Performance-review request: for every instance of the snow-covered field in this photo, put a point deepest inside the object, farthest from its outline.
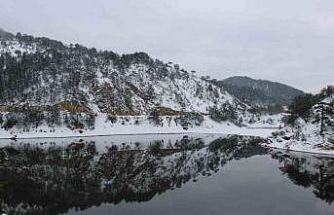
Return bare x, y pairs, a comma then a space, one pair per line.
138, 125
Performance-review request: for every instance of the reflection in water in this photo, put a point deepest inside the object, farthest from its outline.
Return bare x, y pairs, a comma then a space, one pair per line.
49, 178
309, 171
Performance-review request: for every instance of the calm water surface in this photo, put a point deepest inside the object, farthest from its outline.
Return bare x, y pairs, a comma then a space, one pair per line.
162, 174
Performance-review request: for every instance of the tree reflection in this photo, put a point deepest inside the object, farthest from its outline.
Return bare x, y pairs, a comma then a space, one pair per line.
309, 170
39, 179
50, 179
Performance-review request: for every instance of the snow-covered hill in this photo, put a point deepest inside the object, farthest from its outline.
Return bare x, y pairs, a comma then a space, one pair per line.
52, 72
313, 130
46, 85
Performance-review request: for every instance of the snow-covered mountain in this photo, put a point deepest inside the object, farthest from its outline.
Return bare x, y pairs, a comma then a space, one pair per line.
44, 82
40, 71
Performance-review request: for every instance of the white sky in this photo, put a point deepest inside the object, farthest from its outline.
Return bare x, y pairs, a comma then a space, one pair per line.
290, 41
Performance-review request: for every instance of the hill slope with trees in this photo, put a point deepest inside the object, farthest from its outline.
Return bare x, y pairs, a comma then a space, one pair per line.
45, 84
309, 124
259, 93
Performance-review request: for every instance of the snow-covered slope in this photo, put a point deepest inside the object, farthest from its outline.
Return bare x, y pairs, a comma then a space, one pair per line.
314, 133
46, 87
135, 125
52, 72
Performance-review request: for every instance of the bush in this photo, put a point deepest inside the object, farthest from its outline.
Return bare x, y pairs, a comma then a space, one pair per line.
154, 116
90, 121
10, 123
189, 119
53, 118
223, 114
78, 121
112, 118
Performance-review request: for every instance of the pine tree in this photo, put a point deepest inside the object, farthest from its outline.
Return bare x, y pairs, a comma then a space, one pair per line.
326, 113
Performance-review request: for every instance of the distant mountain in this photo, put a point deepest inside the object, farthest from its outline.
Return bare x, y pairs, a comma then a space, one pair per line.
259, 92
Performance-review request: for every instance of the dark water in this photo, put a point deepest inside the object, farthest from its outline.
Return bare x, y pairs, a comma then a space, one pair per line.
162, 175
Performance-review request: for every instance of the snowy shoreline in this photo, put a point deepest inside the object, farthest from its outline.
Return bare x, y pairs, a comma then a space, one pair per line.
304, 137
128, 127
225, 130
136, 126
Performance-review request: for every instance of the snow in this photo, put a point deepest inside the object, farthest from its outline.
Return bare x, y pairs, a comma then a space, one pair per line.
126, 125
173, 92
304, 136
310, 141
264, 121
14, 46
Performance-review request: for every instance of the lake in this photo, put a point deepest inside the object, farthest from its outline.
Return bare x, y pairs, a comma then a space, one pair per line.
162, 174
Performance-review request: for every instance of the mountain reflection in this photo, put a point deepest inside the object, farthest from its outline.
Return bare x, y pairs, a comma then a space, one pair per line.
52, 178
310, 171
48, 179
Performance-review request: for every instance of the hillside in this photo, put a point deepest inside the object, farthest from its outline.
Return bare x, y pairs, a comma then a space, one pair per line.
309, 124
40, 71
259, 92
45, 84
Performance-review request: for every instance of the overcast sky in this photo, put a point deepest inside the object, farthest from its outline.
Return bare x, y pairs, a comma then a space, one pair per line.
291, 41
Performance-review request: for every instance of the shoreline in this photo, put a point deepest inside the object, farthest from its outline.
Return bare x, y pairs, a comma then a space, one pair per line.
240, 133
14, 137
